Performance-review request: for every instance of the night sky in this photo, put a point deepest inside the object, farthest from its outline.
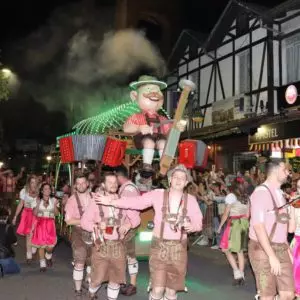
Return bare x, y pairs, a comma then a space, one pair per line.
41, 71
19, 18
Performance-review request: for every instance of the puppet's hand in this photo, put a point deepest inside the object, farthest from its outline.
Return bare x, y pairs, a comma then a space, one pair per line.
145, 129
181, 125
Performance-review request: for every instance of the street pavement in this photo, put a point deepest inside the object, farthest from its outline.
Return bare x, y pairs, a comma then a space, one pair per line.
209, 278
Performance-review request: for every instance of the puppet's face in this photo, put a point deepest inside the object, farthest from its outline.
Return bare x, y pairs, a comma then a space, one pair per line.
149, 97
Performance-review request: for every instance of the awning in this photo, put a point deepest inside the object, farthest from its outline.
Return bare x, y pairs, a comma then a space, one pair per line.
276, 145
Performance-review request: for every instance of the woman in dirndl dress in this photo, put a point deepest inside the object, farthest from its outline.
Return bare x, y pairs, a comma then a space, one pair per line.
44, 232
235, 235
28, 197
294, 227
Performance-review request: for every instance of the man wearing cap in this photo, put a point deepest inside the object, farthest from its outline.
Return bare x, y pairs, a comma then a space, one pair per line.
147, 91
176, 214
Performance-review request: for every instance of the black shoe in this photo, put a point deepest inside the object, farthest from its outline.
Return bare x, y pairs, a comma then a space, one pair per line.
147, 171
1, 270
92, 296
78, 295
43, 269
129, 290
49, 263
241, 281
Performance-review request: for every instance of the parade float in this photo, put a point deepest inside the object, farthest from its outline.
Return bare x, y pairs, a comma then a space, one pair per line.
110, 139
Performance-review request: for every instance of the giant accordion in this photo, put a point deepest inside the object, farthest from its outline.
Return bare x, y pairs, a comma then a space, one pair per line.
193, 154
81, 147
76, 147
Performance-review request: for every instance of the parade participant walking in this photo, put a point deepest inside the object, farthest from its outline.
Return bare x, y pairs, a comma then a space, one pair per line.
235, 236
9, 184
44, 232
75, 207
109, 226
129, 189
268, 247
176, 214
295, 228
28, 197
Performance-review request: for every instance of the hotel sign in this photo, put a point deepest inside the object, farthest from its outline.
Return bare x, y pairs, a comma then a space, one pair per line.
267, 133
274, 132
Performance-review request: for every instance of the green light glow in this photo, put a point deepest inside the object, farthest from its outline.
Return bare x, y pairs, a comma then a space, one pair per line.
112, 119
145, 236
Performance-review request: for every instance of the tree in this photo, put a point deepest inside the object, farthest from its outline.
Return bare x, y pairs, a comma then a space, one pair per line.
4, 90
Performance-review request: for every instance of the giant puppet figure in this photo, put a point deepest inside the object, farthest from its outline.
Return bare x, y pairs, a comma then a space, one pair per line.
150, 128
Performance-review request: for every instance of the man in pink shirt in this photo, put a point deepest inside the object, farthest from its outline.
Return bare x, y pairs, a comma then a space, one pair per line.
268, 246
109, 227
129, 189
176, 214
74, 209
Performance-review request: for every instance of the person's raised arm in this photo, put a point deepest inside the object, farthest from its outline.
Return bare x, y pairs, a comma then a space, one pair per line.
136, 203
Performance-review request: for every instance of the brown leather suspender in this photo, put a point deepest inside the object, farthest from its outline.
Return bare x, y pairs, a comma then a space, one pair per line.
164, 212
79, 205
277, 219
154, 120
80, 208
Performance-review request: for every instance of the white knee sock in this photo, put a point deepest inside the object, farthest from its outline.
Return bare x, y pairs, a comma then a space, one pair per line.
48, 256
77, 274
148, 155
33, 250
237, 274
43, 263
113, 292
94, 290
29, 255
133, 267
88, 274
77, 277
152, 298
170, 298
160, 152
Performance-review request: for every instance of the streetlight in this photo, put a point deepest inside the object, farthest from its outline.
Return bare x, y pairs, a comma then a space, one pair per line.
7, 72
1, 164
48, 158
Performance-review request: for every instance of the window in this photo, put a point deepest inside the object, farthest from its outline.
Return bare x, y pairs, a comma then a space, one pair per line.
244, 72
173, 97
293, 58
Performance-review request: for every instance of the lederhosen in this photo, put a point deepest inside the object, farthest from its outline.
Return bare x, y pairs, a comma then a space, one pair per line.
138, 139
129, 239
108, 257
168, 258
266, 284
81, 250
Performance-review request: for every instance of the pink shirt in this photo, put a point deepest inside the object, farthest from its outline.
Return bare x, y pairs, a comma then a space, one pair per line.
262, 212
71, 208
129, 189
155, 199
92, 216
140, 119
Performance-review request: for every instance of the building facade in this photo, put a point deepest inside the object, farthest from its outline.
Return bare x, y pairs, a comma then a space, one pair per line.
240, 69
